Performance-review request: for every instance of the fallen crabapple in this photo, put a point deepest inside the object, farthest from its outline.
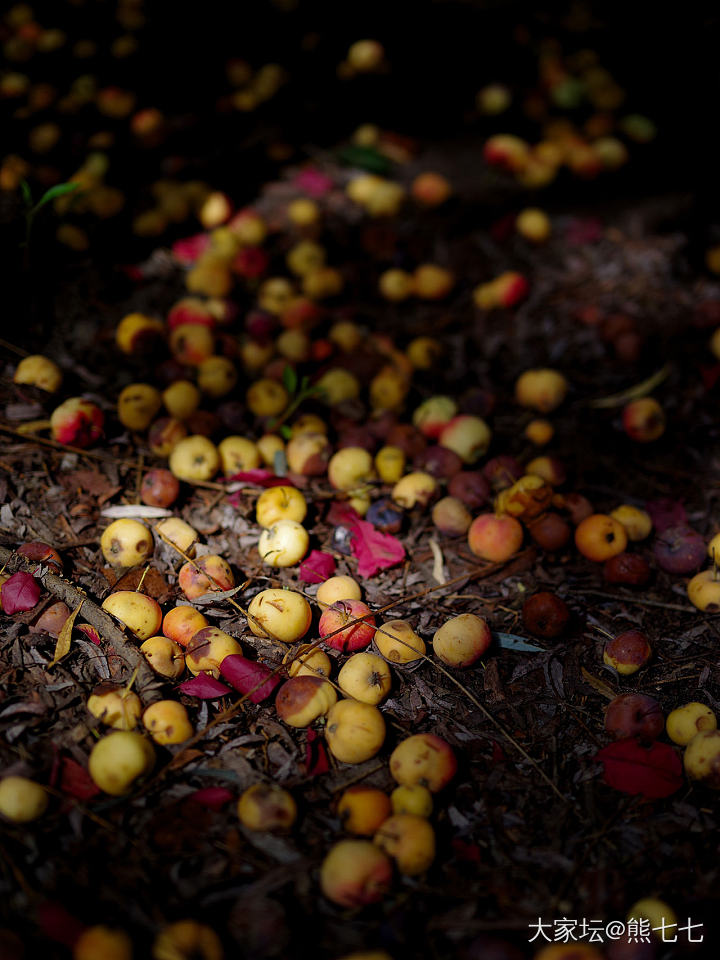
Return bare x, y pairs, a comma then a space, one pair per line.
526, 499
139, 613
206, 575
425, 759
238, 454
545, 615
283, 544
167, 722
308, 662
541, 389
340, 587
178, 532
216, 376
413, 799
362, 809
181, 623
22, 800
355, 873
51, 620
191, 344
470, 487
627, 652
165, 434
302, 699
266, 398
533, 224
279, 614
350, 468
137, 405
118, 760
338, 386
576, 505
77, 422
390, 465
159, 488
250, 229
599, 537
388, 389
408, 438
207, 650
415, 489
39, 552
115, 706
451, 517
254, 355
280, 503
634, 715
341, 617
684, 722
502, 471
539, 432
643, 420
308, 423
702, 758
660, 916
495, 538
39, 371
466, 435
409, 840
462, 640
440, 462
303, 212
632, 569
136, 333
165, 656
433, 415
505, 150
550, 531
354, 731
294, 345
397, 642
267, 807
550, 469
181, 398
430, 189
269, 445
396, 285
308, 454
424, 352
190, 310
186, 939
679, 550
365, 677
637, 522
102, 942
194, 459
703, 591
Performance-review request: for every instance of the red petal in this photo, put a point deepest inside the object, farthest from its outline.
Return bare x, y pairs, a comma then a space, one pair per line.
75, 781
259, 478
189, 249
205, 687
374, 550
90, 632
317, 567
20, 592
316, 758
652, 770
213, 797
247, 675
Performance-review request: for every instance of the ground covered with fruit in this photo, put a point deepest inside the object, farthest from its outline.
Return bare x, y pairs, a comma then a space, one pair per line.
357, 537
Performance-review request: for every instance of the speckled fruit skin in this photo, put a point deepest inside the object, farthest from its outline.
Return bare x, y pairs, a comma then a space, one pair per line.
627, 652
357, 636
423, 758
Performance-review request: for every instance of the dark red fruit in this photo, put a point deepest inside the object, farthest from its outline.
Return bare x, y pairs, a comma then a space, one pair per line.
550, 531
628, 568
545, 615
680, 550
634, 715
471, 487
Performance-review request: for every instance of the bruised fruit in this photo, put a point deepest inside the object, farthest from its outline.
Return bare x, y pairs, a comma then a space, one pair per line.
679, 550
643, 420
308, 454
470, 487
136, 333
140, 614
302, 699
425, 759
702, 758
545, 615
433, 415
207, 650
267, 807
599, 537
630, 569
495, 538
338, 628
181, 623
550, 531
397, 642
627, 652
118, 760
22, 800
137, 405
451, 517
116, 707
77, 422
414, 490
440, 462
467, 436
126, 542
180, 533
684, 722
365, 677
238, 454
283, 544
207, 575
355, 873
159, 488
279, 614
462, 640
165, 434
165, 656
634, 715
362, 809
354, 731
167, 722
409, 840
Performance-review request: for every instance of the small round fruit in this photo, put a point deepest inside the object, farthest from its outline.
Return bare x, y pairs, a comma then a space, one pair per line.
102, 943
541, 389
462, 640
550, 531
283, 544
167, 722
207, 650
704, 591
466, 435
684, 722
126, 542
209, 574
339, 629
182, 623
164, 435
137, 406
355, 873
643, 420
280, 503
425, 759
22, 800
702, 758
363, 809
397, 642
77, 422
390, 464
539, 432
470, 487
679, 550
599, 537
266, 398
187, 939
409, 840
116, 707
179, 533
216, 376
495, 538
349, 468
159, 488
279, 614
545, 615
39, 371
194, 459
415, 489
238, 454
308, 662
627, 652
302, 699
634, 715
661, 917
340, 587
181, 399
140, 614
354, 731
414, 799
118, 760
630, 569
451, 517
267, 807
164, 656
365, 677
637, 522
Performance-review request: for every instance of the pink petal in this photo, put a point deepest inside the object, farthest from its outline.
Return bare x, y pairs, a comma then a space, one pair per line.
205, 687
259, 478
313, 181
20, 592
247, 675
189, 249
213, 797
374, 550
653, 770
317, 567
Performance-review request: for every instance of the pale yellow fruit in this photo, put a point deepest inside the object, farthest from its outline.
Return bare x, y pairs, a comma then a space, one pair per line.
126, 543
167, 722
137, 405
365, 677
118, 760
279, 614
340, 587
21, 799
117, 707
194, 459
354, 731
397, 642
280, 503
283, 544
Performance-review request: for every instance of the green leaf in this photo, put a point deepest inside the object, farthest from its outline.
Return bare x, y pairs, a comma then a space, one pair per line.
509, 641
59, 190
304, 383
26, 192
289, 379
286, 432
367, 158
